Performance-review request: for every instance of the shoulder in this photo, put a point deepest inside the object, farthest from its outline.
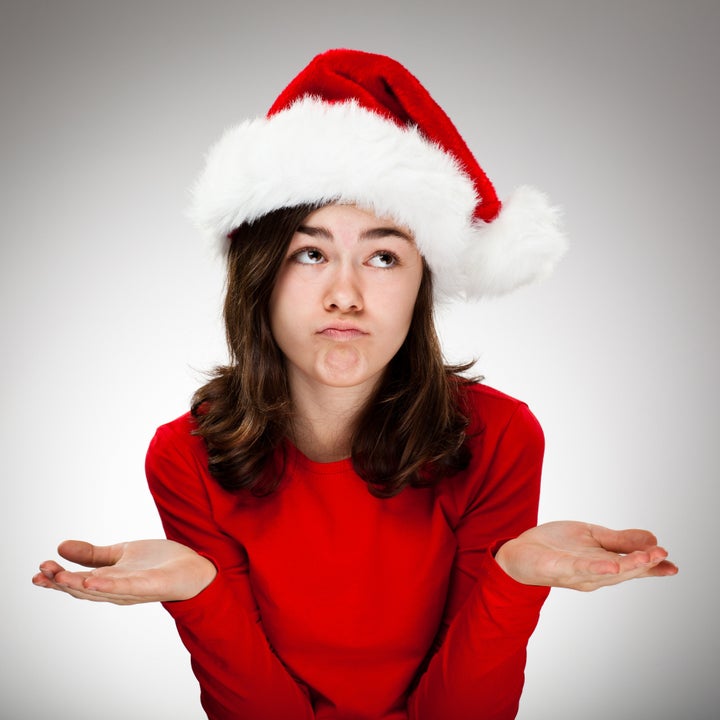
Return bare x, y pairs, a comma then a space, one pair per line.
506, 445
177, 439
180, 426
492, 413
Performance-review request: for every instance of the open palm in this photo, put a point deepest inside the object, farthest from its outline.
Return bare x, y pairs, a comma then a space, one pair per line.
582, 556
128, 573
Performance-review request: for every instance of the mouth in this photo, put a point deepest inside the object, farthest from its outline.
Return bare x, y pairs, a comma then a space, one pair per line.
336, 332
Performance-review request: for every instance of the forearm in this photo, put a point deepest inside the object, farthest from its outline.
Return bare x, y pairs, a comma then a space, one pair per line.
478, 671
239, 675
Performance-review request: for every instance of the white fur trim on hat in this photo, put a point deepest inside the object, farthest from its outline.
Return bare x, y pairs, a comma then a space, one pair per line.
521, 245
319, 152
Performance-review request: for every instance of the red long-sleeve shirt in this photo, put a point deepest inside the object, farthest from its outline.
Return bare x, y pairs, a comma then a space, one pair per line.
330, 603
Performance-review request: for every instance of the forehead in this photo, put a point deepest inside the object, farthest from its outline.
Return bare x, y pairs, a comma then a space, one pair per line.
345, 215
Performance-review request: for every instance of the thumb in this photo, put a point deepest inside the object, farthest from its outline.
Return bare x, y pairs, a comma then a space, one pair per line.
623, 541
89, 555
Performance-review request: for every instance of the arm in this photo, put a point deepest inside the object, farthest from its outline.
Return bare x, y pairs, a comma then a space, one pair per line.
218, 621
478, 669
239, 674
502, 574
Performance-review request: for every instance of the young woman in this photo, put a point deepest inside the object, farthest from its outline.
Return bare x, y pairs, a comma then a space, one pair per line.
352, 524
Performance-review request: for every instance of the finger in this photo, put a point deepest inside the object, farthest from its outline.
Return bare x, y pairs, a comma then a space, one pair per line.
137, 585
85, 594
602, 567
89, 555
665, 568
112, 591
597, 572
71, 580
49, 568
641, 559
614, 564
41, 580
622, 567
97, 596
630, 570
623, 541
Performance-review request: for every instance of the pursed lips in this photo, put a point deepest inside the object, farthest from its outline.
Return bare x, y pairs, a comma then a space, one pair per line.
339, 332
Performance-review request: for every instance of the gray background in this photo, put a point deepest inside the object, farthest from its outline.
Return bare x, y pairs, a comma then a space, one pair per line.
110, 307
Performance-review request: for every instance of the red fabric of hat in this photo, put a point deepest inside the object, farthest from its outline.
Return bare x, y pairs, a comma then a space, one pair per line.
384, 86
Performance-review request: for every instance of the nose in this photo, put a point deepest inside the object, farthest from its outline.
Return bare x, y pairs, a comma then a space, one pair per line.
343, 291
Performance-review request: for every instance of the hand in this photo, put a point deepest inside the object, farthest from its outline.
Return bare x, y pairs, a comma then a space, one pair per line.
129, 573
582, 556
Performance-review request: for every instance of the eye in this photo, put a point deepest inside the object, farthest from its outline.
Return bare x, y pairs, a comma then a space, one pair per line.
308, 256
384, 259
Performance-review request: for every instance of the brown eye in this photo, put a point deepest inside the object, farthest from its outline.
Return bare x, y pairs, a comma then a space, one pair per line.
308, 256
383, 259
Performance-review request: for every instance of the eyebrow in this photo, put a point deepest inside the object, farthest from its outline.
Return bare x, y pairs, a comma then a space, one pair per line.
371, 234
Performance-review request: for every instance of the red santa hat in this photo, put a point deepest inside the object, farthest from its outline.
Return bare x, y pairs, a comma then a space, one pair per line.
355, 127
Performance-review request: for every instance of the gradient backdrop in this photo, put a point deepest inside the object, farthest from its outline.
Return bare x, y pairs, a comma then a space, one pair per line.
110, 307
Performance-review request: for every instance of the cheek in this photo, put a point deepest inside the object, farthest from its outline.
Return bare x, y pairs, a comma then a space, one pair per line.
281, 299
394, 313
277, 314
403, 300
287, 305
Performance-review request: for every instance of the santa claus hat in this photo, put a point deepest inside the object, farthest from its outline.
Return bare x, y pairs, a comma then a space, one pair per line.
355, 127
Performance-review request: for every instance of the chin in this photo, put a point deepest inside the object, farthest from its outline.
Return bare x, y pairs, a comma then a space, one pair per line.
354, 378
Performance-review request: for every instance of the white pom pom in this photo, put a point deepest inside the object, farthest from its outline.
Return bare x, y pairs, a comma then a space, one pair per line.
521, 245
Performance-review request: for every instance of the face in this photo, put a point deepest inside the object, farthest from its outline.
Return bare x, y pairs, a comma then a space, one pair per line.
344, 297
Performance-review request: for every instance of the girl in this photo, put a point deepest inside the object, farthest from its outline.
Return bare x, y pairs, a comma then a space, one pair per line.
351, 523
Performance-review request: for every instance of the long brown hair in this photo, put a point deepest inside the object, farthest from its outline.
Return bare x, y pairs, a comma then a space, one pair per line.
411, 432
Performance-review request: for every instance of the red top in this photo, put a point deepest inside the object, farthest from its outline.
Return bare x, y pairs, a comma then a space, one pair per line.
332, 603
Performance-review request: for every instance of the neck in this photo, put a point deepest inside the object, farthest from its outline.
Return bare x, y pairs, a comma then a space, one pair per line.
324, 419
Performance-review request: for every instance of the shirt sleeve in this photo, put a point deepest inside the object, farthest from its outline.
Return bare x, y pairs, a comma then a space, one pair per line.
239, 675
477, 670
